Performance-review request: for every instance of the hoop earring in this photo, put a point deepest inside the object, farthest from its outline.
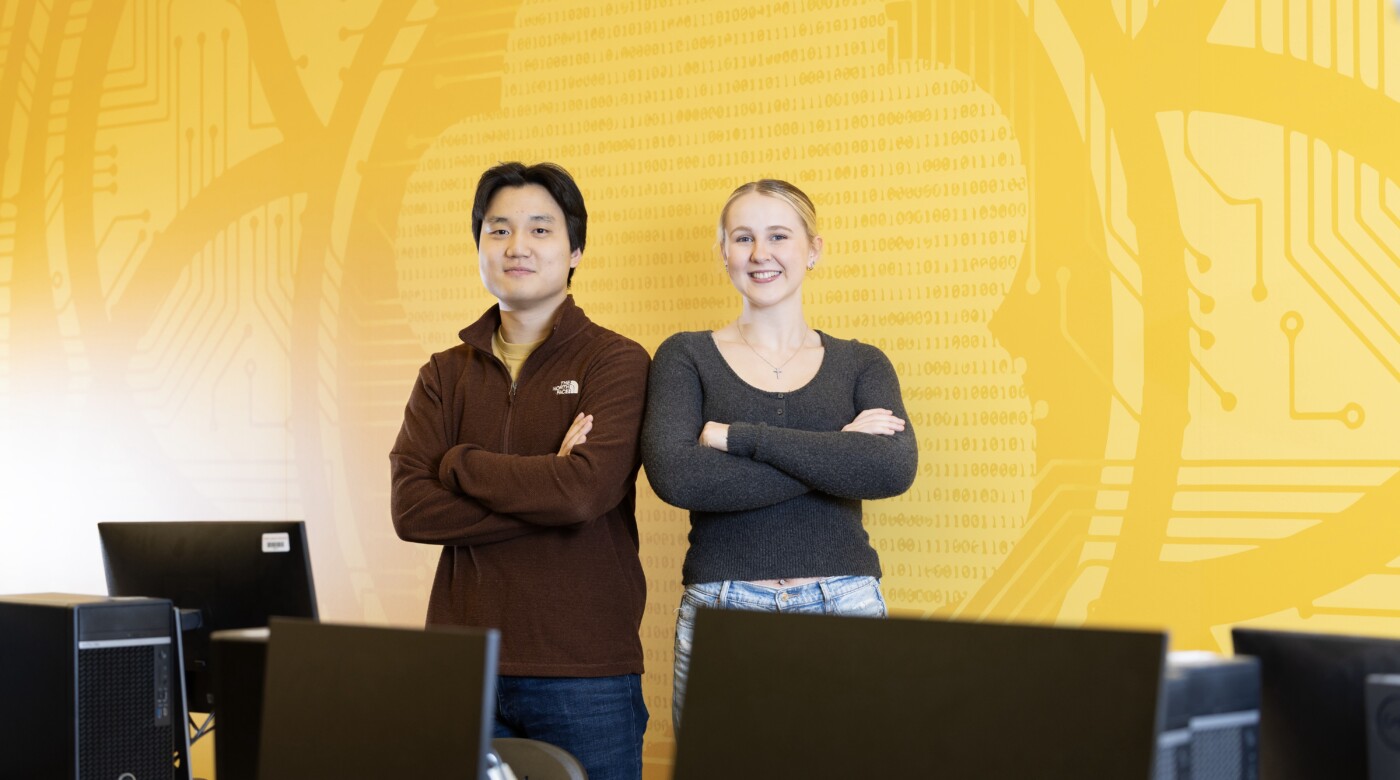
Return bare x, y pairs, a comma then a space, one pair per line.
811, 265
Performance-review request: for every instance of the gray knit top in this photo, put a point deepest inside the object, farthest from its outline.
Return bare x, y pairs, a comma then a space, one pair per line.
785, 500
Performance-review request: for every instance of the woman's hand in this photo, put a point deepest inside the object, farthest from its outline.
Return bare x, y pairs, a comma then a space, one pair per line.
880, 422
715, 436
577, 433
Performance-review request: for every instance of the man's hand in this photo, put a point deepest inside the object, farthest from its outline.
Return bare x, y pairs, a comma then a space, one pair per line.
715, 436
881, 422
577, 433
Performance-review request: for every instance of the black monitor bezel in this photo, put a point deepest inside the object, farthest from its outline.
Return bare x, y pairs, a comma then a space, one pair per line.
828, 696
216, 566
1312, 692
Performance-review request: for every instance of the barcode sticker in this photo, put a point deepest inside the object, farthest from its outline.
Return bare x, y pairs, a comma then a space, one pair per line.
277, 542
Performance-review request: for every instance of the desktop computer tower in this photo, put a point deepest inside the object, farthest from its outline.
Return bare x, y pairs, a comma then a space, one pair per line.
1210, 729
1383, 725
91, 687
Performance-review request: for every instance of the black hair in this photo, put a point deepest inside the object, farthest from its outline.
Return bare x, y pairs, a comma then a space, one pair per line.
555, 180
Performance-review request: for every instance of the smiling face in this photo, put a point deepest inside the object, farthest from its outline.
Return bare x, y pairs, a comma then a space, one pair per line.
524, 249
767, 249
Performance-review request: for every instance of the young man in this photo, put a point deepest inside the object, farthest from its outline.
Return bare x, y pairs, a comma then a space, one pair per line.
519, 455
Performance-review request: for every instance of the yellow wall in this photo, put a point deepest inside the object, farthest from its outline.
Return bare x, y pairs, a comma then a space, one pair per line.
1136, 262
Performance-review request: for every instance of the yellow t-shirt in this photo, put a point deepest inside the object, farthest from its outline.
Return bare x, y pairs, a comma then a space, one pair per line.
513, 355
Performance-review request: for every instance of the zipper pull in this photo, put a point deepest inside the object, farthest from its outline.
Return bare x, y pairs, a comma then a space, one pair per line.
511, 399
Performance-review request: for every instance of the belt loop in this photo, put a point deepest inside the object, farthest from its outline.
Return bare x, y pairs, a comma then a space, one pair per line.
828, 605
724, 594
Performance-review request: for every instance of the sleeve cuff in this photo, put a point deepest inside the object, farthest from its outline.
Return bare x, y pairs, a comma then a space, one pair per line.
453, 466
744, 439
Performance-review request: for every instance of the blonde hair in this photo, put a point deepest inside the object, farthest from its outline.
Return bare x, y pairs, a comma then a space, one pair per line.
775, 188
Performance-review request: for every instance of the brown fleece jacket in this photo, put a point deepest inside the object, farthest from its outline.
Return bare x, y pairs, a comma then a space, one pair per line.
541, 547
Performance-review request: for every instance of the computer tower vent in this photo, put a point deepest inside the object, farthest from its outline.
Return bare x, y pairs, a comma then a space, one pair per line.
124, 711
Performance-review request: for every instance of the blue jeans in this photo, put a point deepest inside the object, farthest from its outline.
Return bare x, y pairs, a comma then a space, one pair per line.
600, 720
854, 596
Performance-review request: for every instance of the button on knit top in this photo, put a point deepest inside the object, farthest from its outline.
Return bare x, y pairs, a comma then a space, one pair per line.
785, 500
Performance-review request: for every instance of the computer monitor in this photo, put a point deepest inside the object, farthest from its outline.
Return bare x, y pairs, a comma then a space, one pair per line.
821, 696
363, 701
236, 573
1312, 711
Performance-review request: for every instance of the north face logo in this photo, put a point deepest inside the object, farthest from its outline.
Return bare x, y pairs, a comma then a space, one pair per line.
567, 387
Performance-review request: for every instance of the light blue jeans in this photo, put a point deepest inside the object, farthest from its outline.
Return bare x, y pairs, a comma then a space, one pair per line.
854, 596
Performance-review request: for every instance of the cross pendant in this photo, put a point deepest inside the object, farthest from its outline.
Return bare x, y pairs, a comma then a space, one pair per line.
777, 373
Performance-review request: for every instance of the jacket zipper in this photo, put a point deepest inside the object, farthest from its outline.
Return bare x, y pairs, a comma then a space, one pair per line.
510, 397
510, 407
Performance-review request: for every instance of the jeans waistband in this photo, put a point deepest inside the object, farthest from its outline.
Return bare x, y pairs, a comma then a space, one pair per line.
726, 593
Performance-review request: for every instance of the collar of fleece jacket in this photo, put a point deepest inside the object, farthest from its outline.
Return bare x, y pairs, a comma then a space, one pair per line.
567, 323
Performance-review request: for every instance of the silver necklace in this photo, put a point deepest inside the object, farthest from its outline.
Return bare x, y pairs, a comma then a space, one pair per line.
777, 369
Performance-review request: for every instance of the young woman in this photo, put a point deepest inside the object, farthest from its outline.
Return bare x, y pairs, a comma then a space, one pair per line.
771, 434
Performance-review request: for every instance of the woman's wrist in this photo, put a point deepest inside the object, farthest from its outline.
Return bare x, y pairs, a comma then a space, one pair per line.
715, 436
